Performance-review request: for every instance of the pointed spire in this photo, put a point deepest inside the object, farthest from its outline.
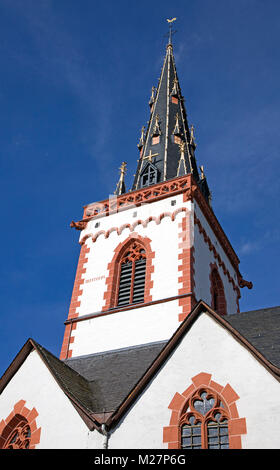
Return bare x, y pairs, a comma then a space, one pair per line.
166, 129
121, 189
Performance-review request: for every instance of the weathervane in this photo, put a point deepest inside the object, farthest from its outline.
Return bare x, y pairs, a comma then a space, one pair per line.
171, 31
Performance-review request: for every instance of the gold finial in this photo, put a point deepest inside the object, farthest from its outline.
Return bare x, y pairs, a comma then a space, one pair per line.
157, 130
182, 146
120, 189
182, 162
192, 142
202, 174
176, 130
141, 141
123, 168
174, 91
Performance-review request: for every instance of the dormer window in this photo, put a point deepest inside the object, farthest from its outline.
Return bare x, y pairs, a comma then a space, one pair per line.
149, 175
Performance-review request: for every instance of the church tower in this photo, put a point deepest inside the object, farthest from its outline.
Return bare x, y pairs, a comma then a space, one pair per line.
149, 254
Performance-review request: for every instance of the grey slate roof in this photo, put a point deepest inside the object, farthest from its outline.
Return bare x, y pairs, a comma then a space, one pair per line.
112, 375
262, 329
101, 382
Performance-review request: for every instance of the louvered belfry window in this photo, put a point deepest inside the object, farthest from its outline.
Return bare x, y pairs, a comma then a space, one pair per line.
132, 275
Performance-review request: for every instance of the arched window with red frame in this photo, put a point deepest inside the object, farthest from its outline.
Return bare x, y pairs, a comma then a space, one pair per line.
218, 302
132, 275
204, 422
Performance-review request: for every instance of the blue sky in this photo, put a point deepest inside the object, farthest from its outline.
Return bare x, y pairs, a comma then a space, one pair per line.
74, 88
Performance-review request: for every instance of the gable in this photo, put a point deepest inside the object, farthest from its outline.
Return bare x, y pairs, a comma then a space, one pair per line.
34, 384
211, 350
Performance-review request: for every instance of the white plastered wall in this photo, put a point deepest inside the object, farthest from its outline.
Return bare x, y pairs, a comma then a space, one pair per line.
209, 348
127, 328
141, 325
61, 425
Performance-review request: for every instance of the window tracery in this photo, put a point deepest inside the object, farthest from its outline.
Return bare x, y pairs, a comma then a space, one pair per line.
20, 434
204, 424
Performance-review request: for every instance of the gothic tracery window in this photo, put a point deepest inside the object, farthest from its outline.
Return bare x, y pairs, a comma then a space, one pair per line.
132, 275
19, 436
204, 424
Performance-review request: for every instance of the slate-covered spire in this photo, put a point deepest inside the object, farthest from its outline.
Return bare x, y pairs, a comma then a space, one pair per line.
160, 151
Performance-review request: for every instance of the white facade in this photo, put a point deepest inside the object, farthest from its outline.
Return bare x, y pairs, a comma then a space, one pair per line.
154, 322
208, 348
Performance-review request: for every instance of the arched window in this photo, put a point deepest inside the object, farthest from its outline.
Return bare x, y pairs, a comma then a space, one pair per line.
217, 291
204, 423
132, 274
17, 434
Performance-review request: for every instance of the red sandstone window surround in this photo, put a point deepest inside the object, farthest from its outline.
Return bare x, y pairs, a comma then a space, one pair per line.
130, 272
19, 430
204, 416
218, 299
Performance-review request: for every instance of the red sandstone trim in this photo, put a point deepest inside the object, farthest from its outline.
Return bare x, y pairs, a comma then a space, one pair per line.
112, 280
132, 227
75, 303
8, 424
236, 425
186, 267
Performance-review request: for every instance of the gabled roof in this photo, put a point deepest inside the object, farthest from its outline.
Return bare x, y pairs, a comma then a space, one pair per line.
113, 374
262, 329
103, 386
73, 384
